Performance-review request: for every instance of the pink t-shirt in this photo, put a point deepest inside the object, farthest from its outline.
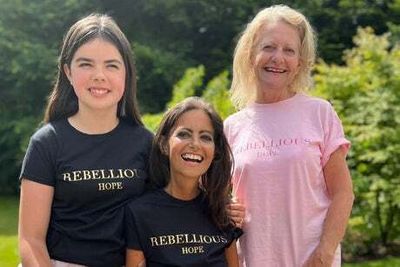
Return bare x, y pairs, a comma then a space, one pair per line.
280, 150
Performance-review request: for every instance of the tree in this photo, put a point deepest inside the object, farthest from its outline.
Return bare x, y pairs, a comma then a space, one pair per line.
215, 92
365, 92
187, 86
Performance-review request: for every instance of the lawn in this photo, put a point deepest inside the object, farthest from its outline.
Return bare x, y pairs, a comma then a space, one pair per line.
8, 231
8, 238
388, 262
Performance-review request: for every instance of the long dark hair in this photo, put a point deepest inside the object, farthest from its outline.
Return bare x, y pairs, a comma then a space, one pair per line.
216, 182
63, 102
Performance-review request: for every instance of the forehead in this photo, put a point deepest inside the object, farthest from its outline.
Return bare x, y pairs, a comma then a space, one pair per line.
195, 119
98, 47
278, 31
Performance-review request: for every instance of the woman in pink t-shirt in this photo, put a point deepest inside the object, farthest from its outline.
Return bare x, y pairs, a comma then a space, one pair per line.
289, 148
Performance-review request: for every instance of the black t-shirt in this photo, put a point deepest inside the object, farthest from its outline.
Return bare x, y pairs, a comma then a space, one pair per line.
173, 232
93, 177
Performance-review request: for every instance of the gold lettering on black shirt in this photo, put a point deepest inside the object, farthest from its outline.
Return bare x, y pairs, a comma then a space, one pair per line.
110, 186
192, 243
85, 175
177, 239
106, 175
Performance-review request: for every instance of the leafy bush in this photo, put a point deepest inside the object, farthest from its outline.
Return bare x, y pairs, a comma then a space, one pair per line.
366, 94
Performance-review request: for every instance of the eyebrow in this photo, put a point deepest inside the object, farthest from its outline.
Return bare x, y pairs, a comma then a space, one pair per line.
203, 131
85, 59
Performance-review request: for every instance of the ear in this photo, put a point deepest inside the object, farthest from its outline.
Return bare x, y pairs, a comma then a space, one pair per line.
300, 62
67, 72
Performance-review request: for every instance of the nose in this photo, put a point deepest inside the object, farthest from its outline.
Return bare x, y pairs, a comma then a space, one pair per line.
277, 56
98, 74
194, 144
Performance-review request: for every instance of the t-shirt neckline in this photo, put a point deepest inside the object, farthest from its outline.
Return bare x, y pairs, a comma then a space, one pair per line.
181, 201
286, 101
111, 132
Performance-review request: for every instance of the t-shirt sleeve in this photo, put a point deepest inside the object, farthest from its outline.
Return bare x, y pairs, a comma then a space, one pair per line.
227, 128
233, 234
333, 135
131, 230
39, 161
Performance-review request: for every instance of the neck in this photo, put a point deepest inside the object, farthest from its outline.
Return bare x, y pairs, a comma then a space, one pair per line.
183, 190
94, 123
267, 96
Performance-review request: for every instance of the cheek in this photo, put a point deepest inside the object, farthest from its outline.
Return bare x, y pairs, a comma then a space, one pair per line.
297, 67
119, 82
211, 151
79, 79
259, 58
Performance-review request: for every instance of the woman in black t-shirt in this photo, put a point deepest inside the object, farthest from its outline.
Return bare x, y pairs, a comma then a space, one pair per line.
86, 162
184, 222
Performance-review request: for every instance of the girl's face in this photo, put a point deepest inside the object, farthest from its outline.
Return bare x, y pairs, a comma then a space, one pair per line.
97, 73
277, 57
191, 145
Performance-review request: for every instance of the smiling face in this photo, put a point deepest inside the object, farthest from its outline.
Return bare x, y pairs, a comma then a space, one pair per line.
191, 145
276, 58
97, 73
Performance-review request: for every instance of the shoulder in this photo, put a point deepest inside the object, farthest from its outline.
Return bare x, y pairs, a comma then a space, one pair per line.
135, 136
315, 105
313, 101
136, 130
146, 201
236, 124
235, 118
49, 131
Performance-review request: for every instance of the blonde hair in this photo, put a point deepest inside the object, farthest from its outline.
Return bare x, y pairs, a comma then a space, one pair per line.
243, 88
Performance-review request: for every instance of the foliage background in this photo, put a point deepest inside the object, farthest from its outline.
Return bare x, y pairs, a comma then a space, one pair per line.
184, 47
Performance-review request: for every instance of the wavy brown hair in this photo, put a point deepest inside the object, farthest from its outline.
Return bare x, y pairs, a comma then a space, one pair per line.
63, 102
216, 182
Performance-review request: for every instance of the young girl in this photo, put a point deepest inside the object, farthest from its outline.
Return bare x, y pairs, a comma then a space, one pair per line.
183, 222
89, 158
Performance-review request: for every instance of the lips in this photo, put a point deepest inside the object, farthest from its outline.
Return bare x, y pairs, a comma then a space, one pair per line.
97, 91
192, 157
274, 70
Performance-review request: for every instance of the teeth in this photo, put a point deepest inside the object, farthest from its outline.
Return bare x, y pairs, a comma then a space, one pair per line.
192, 157
98, 91
274, 70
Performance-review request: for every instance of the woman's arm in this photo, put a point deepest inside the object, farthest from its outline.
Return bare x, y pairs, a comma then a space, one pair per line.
135, 258
340, 190
34, 215
231, 255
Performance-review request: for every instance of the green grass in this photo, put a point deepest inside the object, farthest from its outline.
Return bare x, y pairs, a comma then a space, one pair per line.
8, 238
388, 262
8, 231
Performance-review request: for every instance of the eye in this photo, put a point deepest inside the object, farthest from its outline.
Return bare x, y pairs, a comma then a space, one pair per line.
113, 66
183, 134
290, 51
207, 138
84, 65
268, 48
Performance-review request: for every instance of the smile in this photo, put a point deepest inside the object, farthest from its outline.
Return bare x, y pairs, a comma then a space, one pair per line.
192, 157
274, 70
99, 91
